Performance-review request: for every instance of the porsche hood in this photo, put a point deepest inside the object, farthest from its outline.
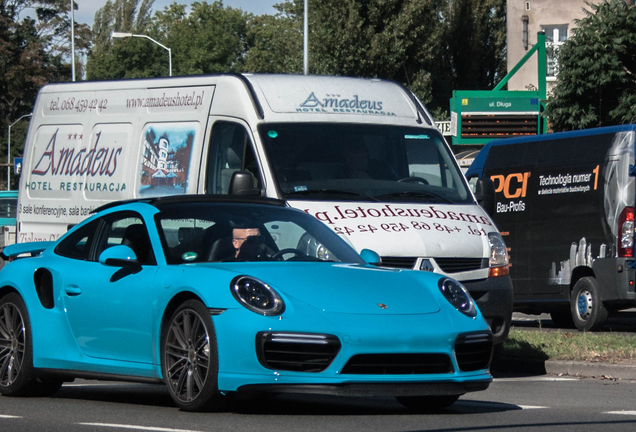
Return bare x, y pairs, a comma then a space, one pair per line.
352, 289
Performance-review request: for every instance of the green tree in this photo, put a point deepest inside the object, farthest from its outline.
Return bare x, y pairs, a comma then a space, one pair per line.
34, 49
471, 52
596, 84
211, 38
432, 46
126, 58
275, 42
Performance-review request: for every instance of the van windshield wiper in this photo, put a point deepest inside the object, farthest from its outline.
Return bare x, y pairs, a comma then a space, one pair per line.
410, 194
331, 192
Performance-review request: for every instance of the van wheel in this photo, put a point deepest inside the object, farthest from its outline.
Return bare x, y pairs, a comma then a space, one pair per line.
189, 358
588, 311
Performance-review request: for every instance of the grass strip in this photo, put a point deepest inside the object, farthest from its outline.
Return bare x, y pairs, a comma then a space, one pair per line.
569, 345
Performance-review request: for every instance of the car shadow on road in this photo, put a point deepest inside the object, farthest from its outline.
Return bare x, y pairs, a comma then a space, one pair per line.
270, 404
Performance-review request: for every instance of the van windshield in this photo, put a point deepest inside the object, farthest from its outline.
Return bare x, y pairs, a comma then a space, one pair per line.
355, 162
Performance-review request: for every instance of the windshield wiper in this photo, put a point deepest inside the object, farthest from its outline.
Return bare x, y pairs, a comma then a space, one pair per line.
332, 192
409, 194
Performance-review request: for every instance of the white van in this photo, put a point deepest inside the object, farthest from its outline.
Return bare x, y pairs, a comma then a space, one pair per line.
361, 155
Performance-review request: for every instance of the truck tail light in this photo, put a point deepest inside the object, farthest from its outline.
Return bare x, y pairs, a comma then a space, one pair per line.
625, 240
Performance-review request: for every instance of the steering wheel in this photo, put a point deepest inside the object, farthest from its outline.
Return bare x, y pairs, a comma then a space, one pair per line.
280, 253
413, 180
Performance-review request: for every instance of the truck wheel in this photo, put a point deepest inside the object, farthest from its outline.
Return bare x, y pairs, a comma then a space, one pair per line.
588, 311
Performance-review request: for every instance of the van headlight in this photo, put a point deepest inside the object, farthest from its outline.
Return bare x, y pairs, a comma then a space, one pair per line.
498, 258
458, 296
257, 296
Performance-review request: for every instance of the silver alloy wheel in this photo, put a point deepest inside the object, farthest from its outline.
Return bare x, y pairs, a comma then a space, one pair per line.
12, 343
584, 304
187, 355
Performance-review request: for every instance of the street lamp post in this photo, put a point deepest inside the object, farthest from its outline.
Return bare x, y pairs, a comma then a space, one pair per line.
120, 35
306, 39
9, 150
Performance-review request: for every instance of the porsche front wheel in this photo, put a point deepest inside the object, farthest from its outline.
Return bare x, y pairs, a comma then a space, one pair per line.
189, 358
16, 356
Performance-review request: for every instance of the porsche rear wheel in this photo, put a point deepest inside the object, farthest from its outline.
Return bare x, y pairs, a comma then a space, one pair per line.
189, 358
17, 377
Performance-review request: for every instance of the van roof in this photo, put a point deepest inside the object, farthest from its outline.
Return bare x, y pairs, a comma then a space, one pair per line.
337, 95
477, 166
279, 94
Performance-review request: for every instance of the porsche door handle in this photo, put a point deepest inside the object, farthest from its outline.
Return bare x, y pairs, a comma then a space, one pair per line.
72, 290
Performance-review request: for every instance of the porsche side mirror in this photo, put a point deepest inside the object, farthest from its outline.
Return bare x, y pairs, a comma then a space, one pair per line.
370, 256
120, 256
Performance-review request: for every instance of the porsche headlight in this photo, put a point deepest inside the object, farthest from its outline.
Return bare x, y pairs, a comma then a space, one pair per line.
458, 296
257, 296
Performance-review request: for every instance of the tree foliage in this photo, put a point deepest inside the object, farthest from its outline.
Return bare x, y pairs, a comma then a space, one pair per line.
127, 58
211, 38
34, 50
597, 67
432, 46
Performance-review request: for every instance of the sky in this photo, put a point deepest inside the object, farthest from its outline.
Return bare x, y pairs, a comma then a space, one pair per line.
87, 8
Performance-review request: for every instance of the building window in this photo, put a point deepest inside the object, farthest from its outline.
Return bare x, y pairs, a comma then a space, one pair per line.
555, 36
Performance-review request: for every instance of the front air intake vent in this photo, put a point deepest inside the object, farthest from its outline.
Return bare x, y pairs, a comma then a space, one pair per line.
300, 352
473, 351
398, 364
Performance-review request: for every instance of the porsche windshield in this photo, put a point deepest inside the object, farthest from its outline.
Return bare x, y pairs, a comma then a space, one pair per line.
224, 232
354, 162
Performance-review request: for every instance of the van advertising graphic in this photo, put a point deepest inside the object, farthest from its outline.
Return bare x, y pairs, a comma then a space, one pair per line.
165, 161
65, 159
559, 204
335, 103
399, 229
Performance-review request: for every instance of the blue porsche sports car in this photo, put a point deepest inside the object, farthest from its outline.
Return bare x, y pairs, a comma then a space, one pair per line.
217, 295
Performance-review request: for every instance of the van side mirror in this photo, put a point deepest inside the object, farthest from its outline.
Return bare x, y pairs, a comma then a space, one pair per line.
485, 194
242, 183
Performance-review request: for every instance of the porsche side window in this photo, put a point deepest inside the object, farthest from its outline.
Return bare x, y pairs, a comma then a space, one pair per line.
230, 151
78, 244
129, 231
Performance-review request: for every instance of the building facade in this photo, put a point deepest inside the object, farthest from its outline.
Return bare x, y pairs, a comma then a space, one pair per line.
525, 18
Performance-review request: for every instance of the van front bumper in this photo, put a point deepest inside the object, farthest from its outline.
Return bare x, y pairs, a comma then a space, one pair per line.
494, 296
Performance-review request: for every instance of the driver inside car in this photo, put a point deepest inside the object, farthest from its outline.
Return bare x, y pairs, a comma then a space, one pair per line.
249, 245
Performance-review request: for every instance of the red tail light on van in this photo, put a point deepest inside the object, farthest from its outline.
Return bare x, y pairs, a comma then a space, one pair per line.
625, 240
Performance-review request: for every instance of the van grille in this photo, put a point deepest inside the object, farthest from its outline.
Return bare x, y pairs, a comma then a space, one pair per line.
300, 352
473, 351
447, 265
456, 265
398, 262
398, 364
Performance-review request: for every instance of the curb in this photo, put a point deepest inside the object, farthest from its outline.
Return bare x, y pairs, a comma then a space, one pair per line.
568, 368
591, 369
